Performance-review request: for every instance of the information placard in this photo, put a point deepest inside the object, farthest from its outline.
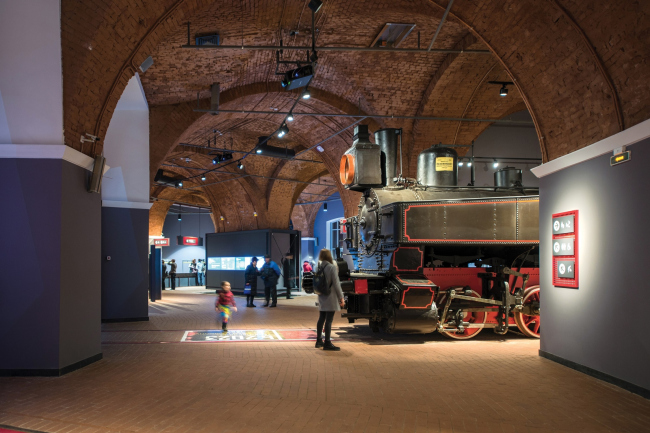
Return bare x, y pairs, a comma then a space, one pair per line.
564, 247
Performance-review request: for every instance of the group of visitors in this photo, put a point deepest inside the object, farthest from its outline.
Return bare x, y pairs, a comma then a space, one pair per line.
196, 268
329, 302
270, 274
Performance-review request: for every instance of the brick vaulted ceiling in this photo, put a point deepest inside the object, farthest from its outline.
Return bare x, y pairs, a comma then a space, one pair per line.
580, 68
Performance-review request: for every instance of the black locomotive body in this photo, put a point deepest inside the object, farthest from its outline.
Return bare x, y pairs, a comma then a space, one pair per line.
431, 256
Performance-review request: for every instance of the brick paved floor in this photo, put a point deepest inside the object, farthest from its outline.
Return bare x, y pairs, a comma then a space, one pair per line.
150, 382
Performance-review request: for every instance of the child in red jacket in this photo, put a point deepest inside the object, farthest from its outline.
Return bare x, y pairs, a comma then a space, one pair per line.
225, 304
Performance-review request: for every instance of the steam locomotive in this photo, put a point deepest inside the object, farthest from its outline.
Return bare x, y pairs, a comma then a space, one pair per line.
429, 255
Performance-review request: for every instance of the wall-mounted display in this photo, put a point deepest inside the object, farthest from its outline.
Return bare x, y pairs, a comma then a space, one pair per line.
233, 263
565, 249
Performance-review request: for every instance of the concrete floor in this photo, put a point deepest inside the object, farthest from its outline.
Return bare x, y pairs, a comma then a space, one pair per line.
150, 381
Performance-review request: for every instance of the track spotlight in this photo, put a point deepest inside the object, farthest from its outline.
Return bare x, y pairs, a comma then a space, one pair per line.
469, 163
290, 117
179, 184
179, 217
315, 5
221, 218
460, 163
495, 164
255, 214
215, 161
283, 131
306, 94
240, 165
203, 177
258, 151
503, 91
324, 207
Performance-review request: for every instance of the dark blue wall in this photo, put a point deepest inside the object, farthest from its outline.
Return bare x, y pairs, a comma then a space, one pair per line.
125, 277
334, 211
50, 291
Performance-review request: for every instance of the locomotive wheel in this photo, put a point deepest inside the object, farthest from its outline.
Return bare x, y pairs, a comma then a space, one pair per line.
477, 318
529, 325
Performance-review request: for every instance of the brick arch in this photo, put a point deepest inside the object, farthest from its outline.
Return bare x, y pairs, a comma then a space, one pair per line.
555, 65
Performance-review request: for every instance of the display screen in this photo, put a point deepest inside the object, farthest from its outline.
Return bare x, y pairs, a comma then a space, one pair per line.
232, 263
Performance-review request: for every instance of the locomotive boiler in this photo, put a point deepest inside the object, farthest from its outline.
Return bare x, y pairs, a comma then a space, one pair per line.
429, 255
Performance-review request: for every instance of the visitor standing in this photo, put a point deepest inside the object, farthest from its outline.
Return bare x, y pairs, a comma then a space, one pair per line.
250, 277
225, 304
164, 274
289, 272
200, 269
194, 270
270, 274
172, 274
330, 303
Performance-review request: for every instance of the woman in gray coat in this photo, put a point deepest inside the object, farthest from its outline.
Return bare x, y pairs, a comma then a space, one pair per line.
329, 304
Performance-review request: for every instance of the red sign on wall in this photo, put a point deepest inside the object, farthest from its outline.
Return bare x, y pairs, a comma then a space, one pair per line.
189, 240
163, 242
564, 248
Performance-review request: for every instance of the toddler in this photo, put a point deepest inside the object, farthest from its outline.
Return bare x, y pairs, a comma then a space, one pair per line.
225, 304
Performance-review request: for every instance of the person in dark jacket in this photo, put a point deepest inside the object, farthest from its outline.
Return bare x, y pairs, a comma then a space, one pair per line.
172, 273
164, 274
330, 304
270, 274
250, 277
289, 272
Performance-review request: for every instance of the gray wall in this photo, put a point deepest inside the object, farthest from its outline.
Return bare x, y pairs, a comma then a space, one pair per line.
80, 309
601, 325
125, 277
49, 291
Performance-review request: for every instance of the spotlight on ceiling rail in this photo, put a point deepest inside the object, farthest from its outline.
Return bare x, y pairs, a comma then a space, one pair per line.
324, 207
469, 163
180, 217
460, 163
503, 91
203, 178
315, 5
240, 165
273, 151
290, 117
283, 131
179, 184
215, 161
495, 164
306, 94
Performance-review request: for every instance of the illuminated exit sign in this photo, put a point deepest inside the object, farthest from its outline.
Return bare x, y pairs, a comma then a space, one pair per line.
620, 158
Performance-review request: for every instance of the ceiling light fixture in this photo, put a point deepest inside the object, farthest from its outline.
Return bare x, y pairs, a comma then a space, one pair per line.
179, 217
179, 184
258, 151
495, 164
306, 94
503, 91
221, 218
469, 163
255, 214
460, 162
215, 160
290, 117
324, 207
203, 178
283, 131
240, 165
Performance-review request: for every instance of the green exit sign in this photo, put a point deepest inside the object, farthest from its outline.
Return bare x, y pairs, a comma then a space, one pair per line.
620, 158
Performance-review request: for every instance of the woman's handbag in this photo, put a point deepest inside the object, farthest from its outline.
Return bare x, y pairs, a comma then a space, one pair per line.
247, 289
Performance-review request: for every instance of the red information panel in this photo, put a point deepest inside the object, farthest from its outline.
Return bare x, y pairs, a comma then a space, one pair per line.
188, 240
164, 242
565, 249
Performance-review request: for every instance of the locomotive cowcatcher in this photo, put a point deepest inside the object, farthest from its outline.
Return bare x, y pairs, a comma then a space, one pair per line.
429, 255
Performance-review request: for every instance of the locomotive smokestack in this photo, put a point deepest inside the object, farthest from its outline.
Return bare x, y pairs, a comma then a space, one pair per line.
387, 141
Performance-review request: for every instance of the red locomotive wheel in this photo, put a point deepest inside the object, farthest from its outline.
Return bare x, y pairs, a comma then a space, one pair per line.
529, 325
477, 318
